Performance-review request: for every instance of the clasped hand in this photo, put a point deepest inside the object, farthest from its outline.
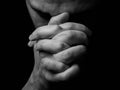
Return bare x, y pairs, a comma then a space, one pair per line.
61, 43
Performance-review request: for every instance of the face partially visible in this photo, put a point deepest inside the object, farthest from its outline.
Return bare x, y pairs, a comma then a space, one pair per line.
55, 7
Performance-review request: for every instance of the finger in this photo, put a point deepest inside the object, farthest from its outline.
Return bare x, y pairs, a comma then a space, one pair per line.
50, 46
56, 20
45, 32
68, 55
31, 43
71, 37
50, 64
73, 70
76, 26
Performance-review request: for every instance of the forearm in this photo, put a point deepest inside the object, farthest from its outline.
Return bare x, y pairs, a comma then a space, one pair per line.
36, 80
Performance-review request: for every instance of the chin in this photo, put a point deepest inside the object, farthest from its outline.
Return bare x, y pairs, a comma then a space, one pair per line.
55, 7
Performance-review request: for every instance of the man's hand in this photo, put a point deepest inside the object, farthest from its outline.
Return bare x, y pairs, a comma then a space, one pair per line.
61, 43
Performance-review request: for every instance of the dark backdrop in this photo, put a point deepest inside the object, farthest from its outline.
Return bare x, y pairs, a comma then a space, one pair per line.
18, 57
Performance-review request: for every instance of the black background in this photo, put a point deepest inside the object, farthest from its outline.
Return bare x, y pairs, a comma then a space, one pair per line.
18, 58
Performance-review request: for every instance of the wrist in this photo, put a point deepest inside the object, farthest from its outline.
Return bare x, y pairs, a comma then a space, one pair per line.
36, 82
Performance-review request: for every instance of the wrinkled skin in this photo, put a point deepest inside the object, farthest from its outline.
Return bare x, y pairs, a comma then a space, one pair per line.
56, 43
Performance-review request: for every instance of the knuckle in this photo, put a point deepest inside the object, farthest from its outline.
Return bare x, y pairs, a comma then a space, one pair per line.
45, 61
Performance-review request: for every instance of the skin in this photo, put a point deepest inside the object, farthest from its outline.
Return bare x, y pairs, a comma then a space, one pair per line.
58, 6
56, 63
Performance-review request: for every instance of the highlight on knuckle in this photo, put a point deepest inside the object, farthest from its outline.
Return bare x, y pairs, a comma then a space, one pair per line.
45, 61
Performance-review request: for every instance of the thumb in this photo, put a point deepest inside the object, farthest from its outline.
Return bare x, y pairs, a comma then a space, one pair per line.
59, 19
